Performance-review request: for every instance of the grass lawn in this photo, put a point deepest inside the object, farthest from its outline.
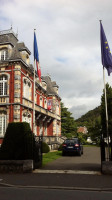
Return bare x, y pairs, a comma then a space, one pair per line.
90, 145
49, 157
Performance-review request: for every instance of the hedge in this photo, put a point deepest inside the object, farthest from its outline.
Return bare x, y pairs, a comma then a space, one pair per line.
45, 148
18, 143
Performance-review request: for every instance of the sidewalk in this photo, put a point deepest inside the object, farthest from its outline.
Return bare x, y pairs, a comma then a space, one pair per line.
57, 180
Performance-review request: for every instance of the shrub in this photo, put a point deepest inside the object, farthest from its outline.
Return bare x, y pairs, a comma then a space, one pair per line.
60, 147
45, 148
18, 143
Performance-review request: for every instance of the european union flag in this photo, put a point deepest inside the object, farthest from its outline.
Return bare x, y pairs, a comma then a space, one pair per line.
105, 51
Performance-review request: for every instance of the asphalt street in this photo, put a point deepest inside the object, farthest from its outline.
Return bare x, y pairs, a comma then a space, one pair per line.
66, 178
89, 161
52, 194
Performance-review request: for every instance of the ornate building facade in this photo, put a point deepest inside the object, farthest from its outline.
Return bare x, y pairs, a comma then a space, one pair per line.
16, 91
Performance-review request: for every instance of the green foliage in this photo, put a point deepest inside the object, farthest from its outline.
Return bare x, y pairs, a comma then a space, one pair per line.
60, 147
51, 156
45, 148
89, 118
95, 120
82, 138
68, 126
109, 109
92, 120
18, 143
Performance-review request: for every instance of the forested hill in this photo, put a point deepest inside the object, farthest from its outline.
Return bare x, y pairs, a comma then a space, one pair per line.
90, 117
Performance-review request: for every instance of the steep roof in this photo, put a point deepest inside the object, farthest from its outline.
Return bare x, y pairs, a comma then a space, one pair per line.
21, 46
50, 86
8, 36
82, 130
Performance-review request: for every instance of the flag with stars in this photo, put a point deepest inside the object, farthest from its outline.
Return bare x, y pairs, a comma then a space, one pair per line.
105, 51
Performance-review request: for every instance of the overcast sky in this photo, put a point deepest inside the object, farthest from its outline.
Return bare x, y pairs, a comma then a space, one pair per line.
68, 37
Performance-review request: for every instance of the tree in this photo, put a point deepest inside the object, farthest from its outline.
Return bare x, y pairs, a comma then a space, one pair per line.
103, 112
68, 125
95, 131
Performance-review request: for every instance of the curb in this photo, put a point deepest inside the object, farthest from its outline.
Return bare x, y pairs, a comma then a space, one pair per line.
41, 171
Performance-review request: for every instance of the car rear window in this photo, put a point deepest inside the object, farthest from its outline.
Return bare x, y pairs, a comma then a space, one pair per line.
71, 141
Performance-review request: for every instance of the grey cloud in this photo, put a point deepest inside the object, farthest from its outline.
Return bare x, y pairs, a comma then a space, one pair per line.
78, 110
69, 31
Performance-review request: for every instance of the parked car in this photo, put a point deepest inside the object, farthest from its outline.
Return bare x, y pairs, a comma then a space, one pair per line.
72, 146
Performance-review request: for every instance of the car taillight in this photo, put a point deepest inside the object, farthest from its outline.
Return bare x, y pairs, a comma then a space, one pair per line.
76, 145
64, 145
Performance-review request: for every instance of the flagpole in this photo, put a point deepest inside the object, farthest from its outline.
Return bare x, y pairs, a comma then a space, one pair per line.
108, 154
34, 98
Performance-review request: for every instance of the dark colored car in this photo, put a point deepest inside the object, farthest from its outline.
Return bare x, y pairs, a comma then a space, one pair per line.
72, 146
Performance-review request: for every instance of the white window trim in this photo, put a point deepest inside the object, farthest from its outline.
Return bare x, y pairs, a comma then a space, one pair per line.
41, 101
4, 85
3, 54
26, 88
26, 117
3, 126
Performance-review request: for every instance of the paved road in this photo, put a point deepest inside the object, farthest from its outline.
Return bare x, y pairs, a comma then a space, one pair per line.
46, 194
89, 161
36, 183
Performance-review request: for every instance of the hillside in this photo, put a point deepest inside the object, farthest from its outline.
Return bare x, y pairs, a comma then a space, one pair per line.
89, 118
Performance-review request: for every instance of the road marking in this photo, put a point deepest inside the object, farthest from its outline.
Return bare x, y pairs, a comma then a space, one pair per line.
67, 172
57, 187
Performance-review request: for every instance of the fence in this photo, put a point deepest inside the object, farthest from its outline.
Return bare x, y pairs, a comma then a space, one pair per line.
106, 149
38, 152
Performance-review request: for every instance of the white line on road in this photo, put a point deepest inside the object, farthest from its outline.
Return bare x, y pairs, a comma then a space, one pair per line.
67, 172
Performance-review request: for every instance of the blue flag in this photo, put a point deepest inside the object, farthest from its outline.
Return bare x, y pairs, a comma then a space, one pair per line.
105, 51
36, 54
36, 57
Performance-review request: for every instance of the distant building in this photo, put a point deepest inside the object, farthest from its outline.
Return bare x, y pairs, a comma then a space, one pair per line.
82, 129
89, 140
16, 91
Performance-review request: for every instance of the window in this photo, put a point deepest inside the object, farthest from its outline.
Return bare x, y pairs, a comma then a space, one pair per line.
3, 85
2, 124
45, 129
41, 129
45, 103
26, 118
26, 88
3, 54
57, 108
41, 101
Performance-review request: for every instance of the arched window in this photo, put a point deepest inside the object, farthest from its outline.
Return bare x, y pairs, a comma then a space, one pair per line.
57, 108
41, 101
3, 54
27, 118
26, 88
2, 124
45, 103
3, 85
